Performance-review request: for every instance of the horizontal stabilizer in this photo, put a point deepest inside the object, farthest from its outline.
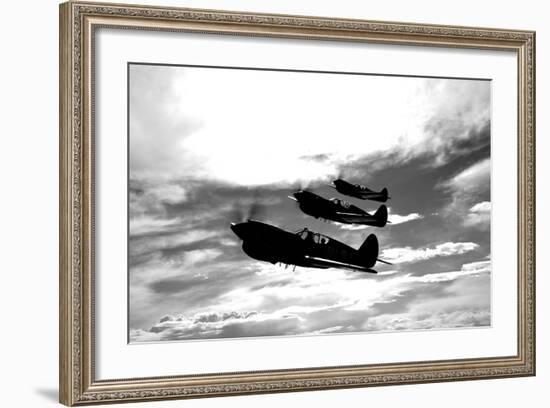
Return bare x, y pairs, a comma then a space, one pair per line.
368, 270
336, 264
386, 262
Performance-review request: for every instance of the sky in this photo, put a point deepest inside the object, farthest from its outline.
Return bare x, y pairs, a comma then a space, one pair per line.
207, 144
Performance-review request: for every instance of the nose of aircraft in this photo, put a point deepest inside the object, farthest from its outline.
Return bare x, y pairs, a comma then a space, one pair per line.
239, 229
297, 195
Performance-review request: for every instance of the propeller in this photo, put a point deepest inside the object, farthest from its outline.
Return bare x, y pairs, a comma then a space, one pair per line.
301, 185
236, 214
341, 173
242, 212
255, 210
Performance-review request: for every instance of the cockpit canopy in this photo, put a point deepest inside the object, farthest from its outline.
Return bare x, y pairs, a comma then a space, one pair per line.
312, 236
340, 202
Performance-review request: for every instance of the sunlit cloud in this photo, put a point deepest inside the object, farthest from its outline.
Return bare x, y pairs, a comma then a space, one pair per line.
250, 312
396, 219
479, 215
467, 187
408, 254
172, 137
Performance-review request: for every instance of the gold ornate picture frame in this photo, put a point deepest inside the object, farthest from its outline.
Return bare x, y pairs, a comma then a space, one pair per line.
79, 22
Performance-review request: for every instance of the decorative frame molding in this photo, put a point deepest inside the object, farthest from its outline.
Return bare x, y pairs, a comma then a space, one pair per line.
78, 20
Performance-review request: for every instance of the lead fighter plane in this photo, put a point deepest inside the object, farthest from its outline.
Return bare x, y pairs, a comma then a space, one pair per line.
359, 191
338, 210
305, 248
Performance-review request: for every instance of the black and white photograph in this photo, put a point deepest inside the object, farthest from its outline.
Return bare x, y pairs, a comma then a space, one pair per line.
270, 202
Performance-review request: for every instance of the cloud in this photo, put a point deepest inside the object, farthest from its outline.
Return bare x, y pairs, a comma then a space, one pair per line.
353, 227
480, 266
165, 242
171, 286
444, 300
467, 187
334, 329
191, 264
472, 179
473, 268
462, 131
232, 324
408, 254
400, 219
426, 321
399, 301
179, 113
394, 219
147, 224
158, 122
483, 207
479, 216
321, 157
386, 273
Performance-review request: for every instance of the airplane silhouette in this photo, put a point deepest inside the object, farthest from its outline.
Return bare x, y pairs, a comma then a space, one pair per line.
359, 191
338, 210
305, 248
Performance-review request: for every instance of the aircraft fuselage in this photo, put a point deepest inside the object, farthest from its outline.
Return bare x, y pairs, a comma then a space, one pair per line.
361, 192
338, 210
305, 248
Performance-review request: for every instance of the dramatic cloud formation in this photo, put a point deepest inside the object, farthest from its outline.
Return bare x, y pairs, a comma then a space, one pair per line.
394, 296
408, 254
208, 148
173, 134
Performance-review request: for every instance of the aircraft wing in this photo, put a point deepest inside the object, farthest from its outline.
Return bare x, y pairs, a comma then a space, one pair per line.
355, 218
329, 263
370, 195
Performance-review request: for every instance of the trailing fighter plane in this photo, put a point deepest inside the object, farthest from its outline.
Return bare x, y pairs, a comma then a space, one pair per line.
359, 191
305, 248
338, 210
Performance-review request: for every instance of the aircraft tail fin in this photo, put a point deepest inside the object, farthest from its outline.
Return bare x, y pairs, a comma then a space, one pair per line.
369, 251
384, 193
381, 215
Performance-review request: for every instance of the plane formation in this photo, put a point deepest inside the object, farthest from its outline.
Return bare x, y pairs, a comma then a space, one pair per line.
306, 248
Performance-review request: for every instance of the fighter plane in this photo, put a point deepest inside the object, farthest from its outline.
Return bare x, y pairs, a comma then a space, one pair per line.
305, 248
338, 210
359, 191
